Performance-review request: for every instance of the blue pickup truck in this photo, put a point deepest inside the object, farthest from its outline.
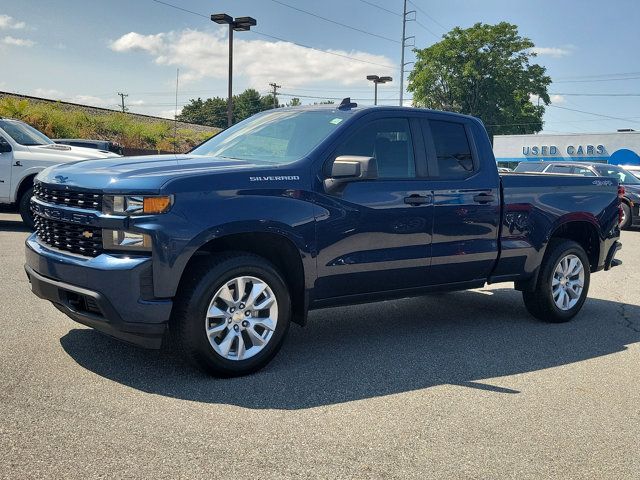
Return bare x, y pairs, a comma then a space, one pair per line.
302, 208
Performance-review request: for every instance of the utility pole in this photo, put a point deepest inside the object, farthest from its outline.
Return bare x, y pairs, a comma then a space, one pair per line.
122, 96
175, 115
275, 88
404, 45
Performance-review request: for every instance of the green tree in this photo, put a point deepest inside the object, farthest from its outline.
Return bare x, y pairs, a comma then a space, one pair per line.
211, 112
484, 71
246, 104
294, 102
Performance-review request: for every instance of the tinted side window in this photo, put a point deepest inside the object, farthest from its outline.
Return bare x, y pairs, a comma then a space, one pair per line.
560, 169
533, 167
583, 171
389, 142
453, 150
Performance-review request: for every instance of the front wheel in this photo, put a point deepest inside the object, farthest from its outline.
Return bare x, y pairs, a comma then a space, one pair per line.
24, 207
562, 285
232, 314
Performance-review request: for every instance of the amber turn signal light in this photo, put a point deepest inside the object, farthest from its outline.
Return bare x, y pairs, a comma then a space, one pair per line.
156, 204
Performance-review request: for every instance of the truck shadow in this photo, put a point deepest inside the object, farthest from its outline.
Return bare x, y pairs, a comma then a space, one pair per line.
360, 352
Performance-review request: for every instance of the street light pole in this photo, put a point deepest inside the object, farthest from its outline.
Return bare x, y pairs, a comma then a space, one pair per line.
239, 24
376, 80
230, 92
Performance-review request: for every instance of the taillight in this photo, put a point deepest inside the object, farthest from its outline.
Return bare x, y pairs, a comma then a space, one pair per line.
621, 193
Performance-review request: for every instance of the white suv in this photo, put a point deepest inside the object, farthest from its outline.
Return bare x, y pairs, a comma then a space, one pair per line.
24, 151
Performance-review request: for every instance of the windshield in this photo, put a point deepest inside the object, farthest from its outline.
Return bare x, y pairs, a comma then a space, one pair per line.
625, 177
275, 137
24, 134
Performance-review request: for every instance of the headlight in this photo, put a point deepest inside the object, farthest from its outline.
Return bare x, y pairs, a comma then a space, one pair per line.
136, 204
127, 241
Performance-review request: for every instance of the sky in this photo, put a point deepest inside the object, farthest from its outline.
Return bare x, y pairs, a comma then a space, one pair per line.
87, 51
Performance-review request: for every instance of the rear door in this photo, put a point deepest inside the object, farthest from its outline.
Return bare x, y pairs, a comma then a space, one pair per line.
466, 198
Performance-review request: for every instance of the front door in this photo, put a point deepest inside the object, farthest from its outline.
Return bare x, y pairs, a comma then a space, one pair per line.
375, 235
6, 161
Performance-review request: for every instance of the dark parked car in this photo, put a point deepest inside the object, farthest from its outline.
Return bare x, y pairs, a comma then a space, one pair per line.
630, 200
104, 145
301, 208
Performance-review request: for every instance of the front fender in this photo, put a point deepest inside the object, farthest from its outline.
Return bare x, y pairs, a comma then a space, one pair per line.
18, 177
194, 223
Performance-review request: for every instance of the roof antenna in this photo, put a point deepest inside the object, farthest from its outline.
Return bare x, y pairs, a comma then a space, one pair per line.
347, 104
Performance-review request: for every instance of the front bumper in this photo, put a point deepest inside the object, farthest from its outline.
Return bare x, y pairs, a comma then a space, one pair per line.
112, 294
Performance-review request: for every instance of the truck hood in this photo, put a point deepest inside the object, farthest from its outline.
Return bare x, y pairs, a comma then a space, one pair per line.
68, 153
144, 173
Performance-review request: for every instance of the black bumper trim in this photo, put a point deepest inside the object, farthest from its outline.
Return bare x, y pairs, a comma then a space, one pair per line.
611, 261
147, 335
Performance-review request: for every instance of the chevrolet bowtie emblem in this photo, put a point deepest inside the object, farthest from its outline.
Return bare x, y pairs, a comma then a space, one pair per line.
87, 234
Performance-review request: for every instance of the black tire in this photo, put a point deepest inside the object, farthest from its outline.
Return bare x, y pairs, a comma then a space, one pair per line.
24, 207
627, 216
197, 290
540, 301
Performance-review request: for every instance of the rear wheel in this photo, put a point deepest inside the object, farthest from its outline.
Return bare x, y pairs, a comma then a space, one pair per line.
24, 207
625, 221
562, 285
232, 314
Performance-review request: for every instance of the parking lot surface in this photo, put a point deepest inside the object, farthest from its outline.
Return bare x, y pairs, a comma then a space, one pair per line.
453, 385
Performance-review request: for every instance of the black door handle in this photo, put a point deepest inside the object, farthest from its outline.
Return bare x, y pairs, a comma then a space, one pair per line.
417, 199
484, 198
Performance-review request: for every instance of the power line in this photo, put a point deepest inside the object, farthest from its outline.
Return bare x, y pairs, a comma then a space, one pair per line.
597, 80
323, 51
597, 94
382, 8
625, 74
427, 29
334, 21
429, 16
595, 114
183, 9
335, 54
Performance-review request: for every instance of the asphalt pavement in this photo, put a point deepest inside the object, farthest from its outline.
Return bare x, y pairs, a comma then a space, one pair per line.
455, 385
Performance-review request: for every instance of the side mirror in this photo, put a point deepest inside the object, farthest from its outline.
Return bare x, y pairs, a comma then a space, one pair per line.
350, 168
4, 146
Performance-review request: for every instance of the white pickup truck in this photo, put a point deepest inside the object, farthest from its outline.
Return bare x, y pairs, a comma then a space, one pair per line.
24, 152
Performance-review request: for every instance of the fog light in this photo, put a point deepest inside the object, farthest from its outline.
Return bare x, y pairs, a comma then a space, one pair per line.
127, 241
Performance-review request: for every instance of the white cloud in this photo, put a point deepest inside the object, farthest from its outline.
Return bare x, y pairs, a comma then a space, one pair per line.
93, 101
204, 55
17, 42
167, 113
555, 99
11, 23
47, 93
555, 52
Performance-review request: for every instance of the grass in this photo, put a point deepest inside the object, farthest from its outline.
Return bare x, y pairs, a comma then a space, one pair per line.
59, 121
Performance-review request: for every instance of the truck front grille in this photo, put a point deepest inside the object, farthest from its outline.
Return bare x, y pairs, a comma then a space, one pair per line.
68, 197
70, 237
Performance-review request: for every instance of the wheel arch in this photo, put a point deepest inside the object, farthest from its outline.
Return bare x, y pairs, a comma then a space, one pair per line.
583, 230
25, 183
277, 248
